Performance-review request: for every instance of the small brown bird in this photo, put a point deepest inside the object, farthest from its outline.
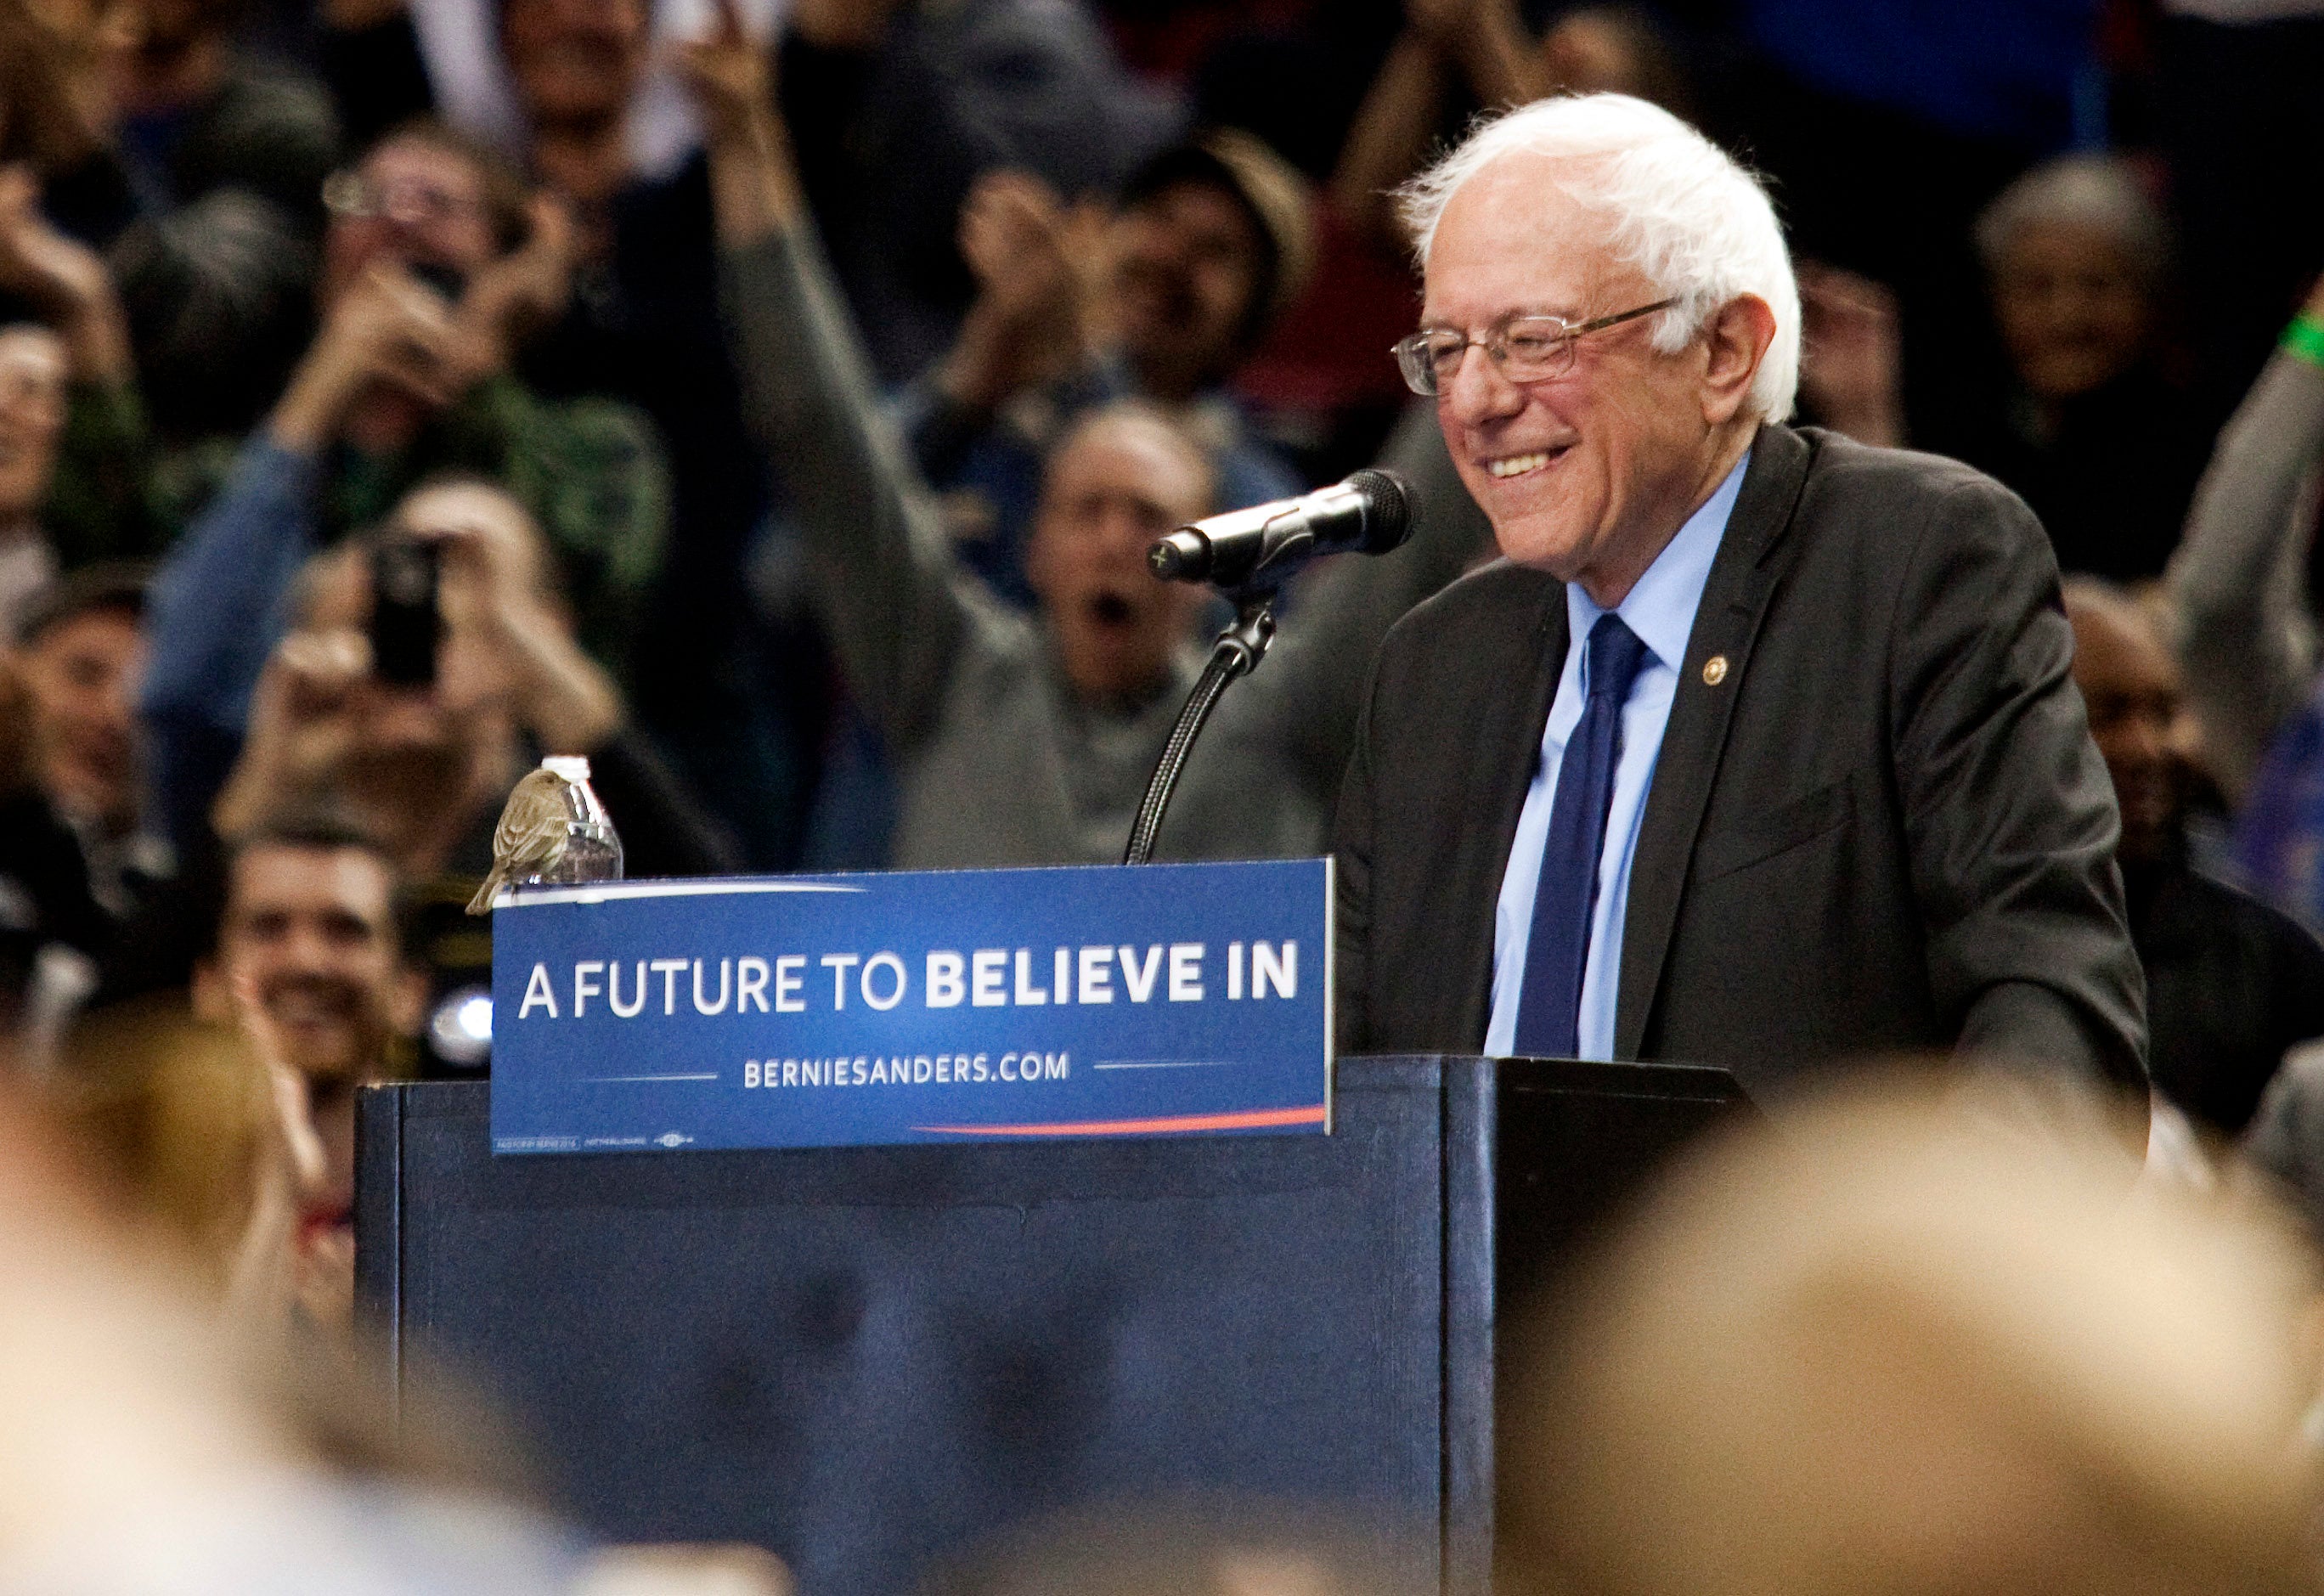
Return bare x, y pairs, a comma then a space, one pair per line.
530, 837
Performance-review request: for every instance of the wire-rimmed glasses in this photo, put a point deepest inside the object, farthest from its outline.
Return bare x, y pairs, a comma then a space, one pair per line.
1526, 348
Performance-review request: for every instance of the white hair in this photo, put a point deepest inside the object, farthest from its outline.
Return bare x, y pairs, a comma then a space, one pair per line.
1677, 206
2086, 190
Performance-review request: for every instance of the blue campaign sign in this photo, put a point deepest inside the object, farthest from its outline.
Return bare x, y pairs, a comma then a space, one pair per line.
846, 1010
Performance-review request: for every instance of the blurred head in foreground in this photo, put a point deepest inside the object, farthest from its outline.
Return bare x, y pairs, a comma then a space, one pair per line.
1201, 1547
1906, 1346
186, 1134
148, 1449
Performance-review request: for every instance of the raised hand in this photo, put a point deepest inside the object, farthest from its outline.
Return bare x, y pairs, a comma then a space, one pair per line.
753, 185
64, 279
492, 598
302, 725
522, 292
731, 73
1013, 235
387, 329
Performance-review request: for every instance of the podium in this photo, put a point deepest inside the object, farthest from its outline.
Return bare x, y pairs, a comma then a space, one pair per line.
871, 1360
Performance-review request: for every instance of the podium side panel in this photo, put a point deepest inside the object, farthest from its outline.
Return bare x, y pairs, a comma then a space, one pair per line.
379, 1219
1576, 1141
1470, 1116
872, 1360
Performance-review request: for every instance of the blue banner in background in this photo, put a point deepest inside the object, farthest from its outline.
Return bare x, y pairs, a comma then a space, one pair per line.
847, 1011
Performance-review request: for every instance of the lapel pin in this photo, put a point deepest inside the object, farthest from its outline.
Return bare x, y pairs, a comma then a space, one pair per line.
1714, 670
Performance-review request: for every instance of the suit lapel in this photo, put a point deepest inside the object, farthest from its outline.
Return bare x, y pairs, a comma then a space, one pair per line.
1727, 624
1508, 748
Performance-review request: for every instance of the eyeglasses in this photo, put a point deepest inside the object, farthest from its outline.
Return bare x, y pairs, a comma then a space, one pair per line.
357, 197
1526, 348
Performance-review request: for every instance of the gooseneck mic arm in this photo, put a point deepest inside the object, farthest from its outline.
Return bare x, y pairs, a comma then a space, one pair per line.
1249, 553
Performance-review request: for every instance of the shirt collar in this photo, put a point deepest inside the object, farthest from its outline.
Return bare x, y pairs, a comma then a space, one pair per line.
1660, 607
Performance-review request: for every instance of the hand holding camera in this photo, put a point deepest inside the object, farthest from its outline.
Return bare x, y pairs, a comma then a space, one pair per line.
390, 328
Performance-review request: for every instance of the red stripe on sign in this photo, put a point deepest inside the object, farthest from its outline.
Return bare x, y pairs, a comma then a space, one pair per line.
1247, 1120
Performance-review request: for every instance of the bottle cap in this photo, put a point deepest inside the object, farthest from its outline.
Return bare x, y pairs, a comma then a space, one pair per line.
573, 766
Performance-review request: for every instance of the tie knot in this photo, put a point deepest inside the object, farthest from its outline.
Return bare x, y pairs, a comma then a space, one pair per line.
1616, 654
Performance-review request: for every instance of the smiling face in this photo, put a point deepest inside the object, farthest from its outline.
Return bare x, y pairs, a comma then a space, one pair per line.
312, 930
1115, 486
2073, 308
309, 929
1589, 474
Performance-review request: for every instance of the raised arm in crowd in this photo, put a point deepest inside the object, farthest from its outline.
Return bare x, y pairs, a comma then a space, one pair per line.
2240, 575
1026, 739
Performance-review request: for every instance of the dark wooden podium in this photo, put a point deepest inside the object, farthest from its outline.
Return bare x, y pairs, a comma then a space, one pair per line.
869, 1360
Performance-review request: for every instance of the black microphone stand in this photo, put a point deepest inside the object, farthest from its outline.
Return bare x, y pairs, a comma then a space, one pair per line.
1236, 653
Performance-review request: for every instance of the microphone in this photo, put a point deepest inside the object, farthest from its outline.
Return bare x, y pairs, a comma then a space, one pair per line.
1260, 547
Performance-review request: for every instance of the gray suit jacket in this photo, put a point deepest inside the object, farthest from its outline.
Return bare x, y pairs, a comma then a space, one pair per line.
1880, 825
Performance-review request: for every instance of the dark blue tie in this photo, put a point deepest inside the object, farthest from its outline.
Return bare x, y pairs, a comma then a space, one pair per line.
1549, 1003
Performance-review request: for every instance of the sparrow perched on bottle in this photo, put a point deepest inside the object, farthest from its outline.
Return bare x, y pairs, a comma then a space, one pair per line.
530, 837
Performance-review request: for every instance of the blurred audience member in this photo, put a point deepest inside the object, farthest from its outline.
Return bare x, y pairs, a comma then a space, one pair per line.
1210, 240
2249, 642
2230, 983
1908, 1346
424, 766
219, 296
1482, 45
1211, 1546
1848, 355
427, 272
74, 838
198, 1132
735, 698
897, 109
2236, 108
136, 106
2286, 1136
32, 381
2091, 434
151, 1447
193, 113
310, 953
1018, 741
91, 480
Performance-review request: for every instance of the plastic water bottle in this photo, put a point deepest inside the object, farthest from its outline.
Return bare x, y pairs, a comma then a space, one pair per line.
593, 848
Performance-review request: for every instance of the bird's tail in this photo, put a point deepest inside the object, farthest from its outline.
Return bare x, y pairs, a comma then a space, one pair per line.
482, 903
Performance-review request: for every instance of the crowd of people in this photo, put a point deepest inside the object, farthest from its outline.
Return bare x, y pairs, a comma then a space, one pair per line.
785, 404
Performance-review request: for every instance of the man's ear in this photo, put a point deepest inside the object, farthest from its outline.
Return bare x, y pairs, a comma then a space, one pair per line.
213, 997
1738, 335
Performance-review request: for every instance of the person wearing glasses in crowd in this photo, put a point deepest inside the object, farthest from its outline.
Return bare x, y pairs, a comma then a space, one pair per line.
1760, 748
433, 265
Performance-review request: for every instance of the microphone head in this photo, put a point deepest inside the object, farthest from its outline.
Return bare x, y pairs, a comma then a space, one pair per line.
1387, 510
1185, 556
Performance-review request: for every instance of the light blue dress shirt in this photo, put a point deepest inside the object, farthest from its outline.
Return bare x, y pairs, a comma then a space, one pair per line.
1661, 610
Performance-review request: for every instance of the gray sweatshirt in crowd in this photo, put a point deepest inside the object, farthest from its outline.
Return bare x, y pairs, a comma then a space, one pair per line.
2240, 575
997, 761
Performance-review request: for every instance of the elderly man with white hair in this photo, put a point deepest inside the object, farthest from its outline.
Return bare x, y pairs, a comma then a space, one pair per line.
1760, 748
